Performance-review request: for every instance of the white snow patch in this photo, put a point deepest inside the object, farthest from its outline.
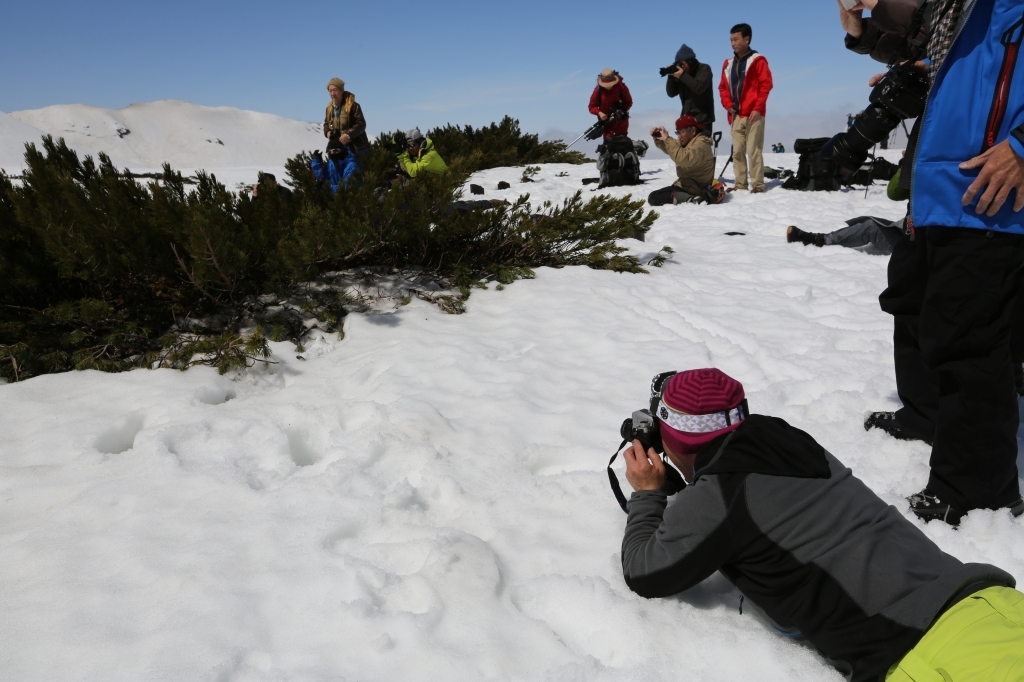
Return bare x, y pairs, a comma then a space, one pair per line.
426, 499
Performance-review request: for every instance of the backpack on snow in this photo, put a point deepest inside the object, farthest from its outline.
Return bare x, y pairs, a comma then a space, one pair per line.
619, 161
713, 193
814, 173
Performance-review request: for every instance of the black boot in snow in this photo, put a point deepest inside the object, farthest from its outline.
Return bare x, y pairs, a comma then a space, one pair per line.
886, 421
927, 507
1016, 508
795, 234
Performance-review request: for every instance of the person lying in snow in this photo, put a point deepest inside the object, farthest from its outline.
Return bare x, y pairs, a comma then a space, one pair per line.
808, 543
695, 162
880, 233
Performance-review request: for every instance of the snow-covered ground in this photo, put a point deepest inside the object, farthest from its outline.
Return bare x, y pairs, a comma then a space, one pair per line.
426, 499
144, 136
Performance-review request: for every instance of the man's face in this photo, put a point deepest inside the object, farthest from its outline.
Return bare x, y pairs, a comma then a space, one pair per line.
685, 135
414, 147
336, 94
739, 43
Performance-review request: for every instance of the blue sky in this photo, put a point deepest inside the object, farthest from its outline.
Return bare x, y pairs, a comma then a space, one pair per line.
418, 63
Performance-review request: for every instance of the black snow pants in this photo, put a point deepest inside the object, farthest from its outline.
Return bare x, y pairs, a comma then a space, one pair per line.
669, 195
952, 293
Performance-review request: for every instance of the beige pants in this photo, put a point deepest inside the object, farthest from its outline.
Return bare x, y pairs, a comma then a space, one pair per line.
747, 141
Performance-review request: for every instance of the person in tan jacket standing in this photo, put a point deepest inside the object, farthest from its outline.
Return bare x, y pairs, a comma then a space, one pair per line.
695, 162
344, 122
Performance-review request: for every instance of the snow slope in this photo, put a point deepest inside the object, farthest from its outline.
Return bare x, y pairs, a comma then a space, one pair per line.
426, 499
13, 136
144, 136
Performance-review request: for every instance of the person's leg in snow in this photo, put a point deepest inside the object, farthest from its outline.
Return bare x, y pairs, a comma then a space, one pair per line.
670, 195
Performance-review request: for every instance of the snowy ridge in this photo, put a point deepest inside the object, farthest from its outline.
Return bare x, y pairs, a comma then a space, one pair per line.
144, 136
13, 136
426, 499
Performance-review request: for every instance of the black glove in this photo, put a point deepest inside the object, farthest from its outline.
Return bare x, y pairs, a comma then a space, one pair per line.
335, 134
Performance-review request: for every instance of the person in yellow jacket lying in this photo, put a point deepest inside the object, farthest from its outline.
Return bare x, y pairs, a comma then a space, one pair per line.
420, 156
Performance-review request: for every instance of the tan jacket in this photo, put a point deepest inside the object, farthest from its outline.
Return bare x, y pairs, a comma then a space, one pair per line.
695, 163
348, 120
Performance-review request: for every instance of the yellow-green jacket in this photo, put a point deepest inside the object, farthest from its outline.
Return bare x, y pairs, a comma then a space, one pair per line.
427, 160
695, 163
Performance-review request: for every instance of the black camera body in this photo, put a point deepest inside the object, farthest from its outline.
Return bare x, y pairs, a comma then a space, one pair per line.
900, 94
397, 145
668, 70
642, 426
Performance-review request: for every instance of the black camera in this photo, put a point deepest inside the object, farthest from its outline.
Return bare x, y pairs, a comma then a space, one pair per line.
643, 426
398, 144
668, 70
901, 94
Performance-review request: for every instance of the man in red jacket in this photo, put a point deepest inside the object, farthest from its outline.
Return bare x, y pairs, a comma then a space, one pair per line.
611, 99
746, 82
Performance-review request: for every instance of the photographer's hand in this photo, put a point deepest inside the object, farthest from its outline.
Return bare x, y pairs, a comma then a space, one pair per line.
644, 470
1001, 171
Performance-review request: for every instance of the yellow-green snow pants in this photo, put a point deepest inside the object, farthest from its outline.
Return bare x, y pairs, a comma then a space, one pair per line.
979, 639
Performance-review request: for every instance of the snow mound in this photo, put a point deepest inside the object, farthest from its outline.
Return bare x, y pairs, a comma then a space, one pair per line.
144, 136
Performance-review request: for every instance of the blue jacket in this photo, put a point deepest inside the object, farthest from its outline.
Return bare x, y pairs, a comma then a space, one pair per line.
958, 114
336, 171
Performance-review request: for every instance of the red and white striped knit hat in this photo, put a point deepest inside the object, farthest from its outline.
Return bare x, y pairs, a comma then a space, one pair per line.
698, 406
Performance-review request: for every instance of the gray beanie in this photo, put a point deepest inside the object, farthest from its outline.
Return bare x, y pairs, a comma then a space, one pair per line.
684, 53
413, 134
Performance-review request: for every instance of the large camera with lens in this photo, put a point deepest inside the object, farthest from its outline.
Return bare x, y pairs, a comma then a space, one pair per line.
668, 70
899, 95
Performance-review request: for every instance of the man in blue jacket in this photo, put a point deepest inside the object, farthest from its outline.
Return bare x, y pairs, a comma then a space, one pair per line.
961, 271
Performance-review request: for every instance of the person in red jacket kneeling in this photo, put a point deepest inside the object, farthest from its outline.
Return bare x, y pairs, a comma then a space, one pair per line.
746, 82
611, 100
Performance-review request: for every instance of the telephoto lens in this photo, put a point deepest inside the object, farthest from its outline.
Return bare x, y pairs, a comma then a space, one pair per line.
901, 94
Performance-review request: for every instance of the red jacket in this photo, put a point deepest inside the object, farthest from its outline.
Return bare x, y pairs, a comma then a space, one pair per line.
605, 100
757, 83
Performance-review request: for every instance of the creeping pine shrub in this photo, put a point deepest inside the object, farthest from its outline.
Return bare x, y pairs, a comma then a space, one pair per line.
98, 271
500, 144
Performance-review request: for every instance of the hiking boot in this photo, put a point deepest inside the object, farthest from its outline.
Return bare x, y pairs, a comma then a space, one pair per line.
795, 234
757, 190
886, 421
1016, 508
927, 507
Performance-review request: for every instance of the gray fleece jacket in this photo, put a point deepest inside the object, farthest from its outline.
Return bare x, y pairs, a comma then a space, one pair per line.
806, 541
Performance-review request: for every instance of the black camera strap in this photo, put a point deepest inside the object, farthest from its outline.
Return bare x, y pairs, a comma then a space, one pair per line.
614, 481
909, 51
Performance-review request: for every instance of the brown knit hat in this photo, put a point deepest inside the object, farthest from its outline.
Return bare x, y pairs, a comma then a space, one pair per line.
336, 82
608, 78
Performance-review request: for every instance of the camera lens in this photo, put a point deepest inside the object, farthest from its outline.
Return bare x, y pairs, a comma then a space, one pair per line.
626, 430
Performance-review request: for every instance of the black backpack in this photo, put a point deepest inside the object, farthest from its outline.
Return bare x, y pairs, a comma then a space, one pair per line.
618, 159
814, 173
873, 169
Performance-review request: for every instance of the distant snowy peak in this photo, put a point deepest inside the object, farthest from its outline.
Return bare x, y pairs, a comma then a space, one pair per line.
180, 133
